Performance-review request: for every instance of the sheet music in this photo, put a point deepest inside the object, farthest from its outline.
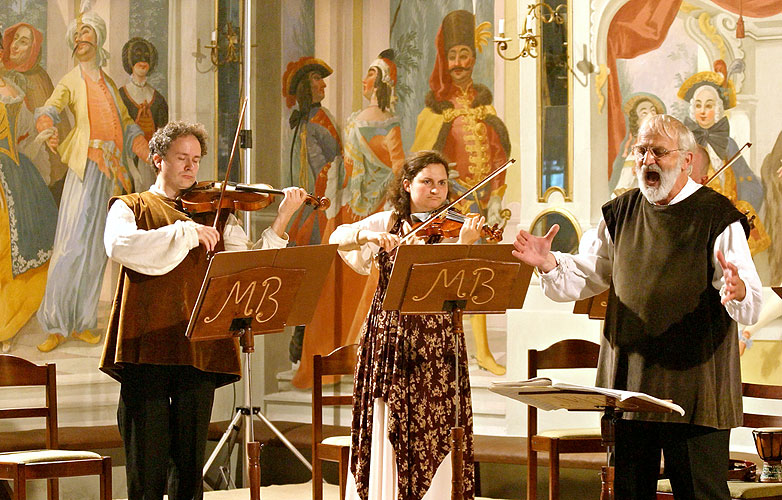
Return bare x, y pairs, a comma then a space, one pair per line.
549, 394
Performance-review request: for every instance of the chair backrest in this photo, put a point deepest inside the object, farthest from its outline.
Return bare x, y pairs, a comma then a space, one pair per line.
762, 391
569, 353
341, 361
15, 372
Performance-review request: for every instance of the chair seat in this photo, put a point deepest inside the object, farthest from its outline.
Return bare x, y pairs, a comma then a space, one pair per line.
738, 489
570, 433
39, 456
337, 441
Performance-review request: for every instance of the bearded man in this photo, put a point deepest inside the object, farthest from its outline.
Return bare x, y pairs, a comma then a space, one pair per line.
674, 256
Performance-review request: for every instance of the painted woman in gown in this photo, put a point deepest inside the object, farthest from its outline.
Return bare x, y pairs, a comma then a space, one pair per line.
28, 213
403, 396
373, 155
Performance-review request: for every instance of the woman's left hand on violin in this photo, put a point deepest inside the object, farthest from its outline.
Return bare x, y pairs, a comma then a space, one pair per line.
471, 230
293, 200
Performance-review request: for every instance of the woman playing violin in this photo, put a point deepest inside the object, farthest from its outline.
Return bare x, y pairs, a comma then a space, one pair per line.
405, 373
167, 382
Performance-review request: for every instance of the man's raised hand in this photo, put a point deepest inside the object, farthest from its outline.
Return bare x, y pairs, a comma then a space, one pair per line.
536, 250
734, 285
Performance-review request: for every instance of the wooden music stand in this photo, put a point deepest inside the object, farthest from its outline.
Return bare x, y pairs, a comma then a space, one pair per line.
777, 290
584, 398
428, 279
253, 292
594, 307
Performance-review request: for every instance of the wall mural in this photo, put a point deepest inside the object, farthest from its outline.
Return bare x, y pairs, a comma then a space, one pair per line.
58, 167
703, 86
432, 89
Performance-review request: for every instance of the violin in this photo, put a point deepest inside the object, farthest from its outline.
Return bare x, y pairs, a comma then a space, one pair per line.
449, 224
205, 197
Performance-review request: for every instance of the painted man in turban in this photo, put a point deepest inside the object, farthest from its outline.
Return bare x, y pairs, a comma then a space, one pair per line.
98, 155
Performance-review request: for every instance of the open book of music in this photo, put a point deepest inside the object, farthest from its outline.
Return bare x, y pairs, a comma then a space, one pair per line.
549, 394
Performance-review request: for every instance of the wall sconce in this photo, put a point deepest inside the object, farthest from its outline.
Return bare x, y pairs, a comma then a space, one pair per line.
530, 41
231, 38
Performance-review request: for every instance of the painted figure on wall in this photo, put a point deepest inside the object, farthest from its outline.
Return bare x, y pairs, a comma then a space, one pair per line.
316, 148
771, 173
27, 213
460, 121
373, 155
98, 155
315, 157
637, 107
373, 141
145, 104
23, 42
710, 94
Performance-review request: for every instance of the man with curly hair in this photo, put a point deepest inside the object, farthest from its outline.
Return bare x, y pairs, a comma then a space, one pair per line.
167, 382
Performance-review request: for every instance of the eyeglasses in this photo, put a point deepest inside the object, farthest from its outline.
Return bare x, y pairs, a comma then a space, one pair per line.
656, 151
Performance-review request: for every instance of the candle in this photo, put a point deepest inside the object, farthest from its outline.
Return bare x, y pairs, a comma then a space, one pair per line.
214, 37
502, 28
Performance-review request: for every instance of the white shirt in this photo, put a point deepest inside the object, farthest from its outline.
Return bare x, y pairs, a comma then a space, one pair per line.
359, 257
589, 273
158, 251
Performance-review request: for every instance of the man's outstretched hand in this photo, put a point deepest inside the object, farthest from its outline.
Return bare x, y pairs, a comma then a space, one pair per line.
536, 250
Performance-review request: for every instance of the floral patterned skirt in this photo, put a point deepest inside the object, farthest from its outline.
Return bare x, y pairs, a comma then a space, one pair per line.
408, 362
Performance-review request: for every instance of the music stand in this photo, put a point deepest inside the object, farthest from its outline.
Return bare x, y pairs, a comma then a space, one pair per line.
777, 290
254, 292
458, 279
583, 398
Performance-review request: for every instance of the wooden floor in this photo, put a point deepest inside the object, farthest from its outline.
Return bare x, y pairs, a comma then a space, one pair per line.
284, 492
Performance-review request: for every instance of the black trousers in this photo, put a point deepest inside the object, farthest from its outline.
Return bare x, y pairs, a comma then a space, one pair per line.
163, 417
696, 460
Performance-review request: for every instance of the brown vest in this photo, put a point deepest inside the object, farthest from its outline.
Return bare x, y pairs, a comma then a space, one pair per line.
149, 315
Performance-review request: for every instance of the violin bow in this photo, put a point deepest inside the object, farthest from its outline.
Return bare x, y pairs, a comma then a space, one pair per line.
727, 164
467, 193
230, 162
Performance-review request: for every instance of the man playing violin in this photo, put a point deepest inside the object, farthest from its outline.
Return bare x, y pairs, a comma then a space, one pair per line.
167, 382
675, 259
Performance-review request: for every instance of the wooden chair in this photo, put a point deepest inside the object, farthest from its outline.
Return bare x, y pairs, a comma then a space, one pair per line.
341, 361
571, 353
50, 463
742, 489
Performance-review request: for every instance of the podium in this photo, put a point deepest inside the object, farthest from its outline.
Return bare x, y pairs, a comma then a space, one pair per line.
255, 292
459, 279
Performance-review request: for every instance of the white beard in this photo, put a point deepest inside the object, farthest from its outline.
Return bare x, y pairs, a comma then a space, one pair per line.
667, 180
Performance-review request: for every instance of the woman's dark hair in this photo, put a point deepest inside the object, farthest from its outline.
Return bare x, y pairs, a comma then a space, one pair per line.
397, 196
382, 89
